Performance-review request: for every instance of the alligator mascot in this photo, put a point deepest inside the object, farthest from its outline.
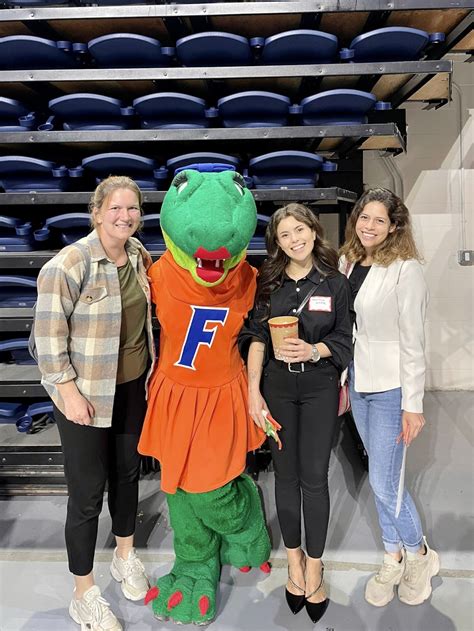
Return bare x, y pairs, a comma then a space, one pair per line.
198, 425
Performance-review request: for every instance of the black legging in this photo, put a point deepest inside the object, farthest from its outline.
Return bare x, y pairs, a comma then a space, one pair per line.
94, 456
305, 405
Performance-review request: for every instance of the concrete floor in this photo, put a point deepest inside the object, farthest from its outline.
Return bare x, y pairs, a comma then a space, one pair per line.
35, 587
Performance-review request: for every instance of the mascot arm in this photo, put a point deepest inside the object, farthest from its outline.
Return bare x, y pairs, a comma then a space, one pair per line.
154, 276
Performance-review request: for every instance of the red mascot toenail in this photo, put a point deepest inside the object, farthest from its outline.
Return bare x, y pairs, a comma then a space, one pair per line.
151, 594
245, 569
266, 567
204, 605
175, 599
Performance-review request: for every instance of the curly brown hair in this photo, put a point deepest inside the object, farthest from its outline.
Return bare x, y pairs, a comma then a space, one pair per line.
271, 273
399, 244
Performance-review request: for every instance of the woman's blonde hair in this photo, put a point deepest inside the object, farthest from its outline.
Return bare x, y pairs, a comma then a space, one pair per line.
108, 186
399, 244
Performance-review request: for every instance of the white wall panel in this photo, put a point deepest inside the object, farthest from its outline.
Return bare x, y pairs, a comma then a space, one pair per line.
438, 180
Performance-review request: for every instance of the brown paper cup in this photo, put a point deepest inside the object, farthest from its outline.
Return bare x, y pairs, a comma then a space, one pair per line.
282, 327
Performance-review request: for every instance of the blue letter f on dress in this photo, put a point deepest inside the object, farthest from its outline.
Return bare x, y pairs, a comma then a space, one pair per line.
198, 334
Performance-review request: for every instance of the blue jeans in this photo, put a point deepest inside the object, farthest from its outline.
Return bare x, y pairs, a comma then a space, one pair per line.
378, 418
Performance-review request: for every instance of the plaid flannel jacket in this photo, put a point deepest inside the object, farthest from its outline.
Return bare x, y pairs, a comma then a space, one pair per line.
77, 328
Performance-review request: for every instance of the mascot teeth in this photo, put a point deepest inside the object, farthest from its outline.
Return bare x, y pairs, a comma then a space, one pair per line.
210, 269
210, 263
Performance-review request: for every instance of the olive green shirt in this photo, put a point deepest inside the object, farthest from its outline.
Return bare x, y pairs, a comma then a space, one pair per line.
133, 350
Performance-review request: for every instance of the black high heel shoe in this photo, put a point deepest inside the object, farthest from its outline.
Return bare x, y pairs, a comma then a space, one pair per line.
317, 610
295, 601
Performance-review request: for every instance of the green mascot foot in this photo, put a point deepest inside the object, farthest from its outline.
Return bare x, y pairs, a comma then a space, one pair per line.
250, 546
188, 593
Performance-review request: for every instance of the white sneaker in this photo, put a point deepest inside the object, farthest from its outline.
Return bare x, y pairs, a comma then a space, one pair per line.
379, 590
93, 612
131, 574
415, 586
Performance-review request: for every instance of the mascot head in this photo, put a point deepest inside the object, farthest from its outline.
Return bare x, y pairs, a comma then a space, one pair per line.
207, 220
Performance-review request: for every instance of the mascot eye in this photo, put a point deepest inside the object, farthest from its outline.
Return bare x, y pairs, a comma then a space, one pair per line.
180, 182
181, 186
239, 187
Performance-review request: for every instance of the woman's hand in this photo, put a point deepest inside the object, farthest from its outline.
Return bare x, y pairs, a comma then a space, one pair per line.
76, 407
257, 407
295, 350
78, 410
412, 424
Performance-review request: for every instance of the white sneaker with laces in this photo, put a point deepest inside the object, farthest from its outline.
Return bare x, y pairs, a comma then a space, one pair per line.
379, 590
131, 575
415, 586
93, 612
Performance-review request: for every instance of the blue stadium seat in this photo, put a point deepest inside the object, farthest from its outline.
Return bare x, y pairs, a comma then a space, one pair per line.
172, 110
23, 174
146, 173
30, 424
15, 235
27, 52
17, 291
23, 416
67, 228
129, 50
287, 169
14, 116
203, 161
34, 3
257, 242
150, 234
392, 43
254, 109
11, 411
339, 107
85, 111
299, 46
214, 48
16, 351
108, 3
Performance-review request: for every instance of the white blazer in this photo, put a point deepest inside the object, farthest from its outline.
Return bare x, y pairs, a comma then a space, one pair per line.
389, 347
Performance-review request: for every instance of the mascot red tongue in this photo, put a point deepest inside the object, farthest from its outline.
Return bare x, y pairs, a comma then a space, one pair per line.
211, 264
197, 424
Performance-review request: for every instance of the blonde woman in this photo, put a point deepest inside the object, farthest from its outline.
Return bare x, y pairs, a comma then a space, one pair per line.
386, 382
95, 347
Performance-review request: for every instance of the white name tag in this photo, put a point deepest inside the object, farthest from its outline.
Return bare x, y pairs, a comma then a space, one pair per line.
320, 303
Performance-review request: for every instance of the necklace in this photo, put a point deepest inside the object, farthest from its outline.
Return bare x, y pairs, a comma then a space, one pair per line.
298, 273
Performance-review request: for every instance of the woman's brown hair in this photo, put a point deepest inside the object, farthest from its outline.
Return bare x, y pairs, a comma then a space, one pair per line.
399, 244
272, 270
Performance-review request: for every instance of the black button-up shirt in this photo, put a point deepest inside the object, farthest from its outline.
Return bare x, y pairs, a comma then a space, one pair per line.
325, 317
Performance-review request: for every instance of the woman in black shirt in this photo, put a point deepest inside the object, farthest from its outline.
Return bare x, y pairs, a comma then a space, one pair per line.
300, 392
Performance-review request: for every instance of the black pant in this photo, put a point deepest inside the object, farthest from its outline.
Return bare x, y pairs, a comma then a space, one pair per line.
94, 456
305, 405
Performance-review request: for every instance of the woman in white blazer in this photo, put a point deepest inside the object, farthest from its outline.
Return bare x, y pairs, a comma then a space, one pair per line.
386, 382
